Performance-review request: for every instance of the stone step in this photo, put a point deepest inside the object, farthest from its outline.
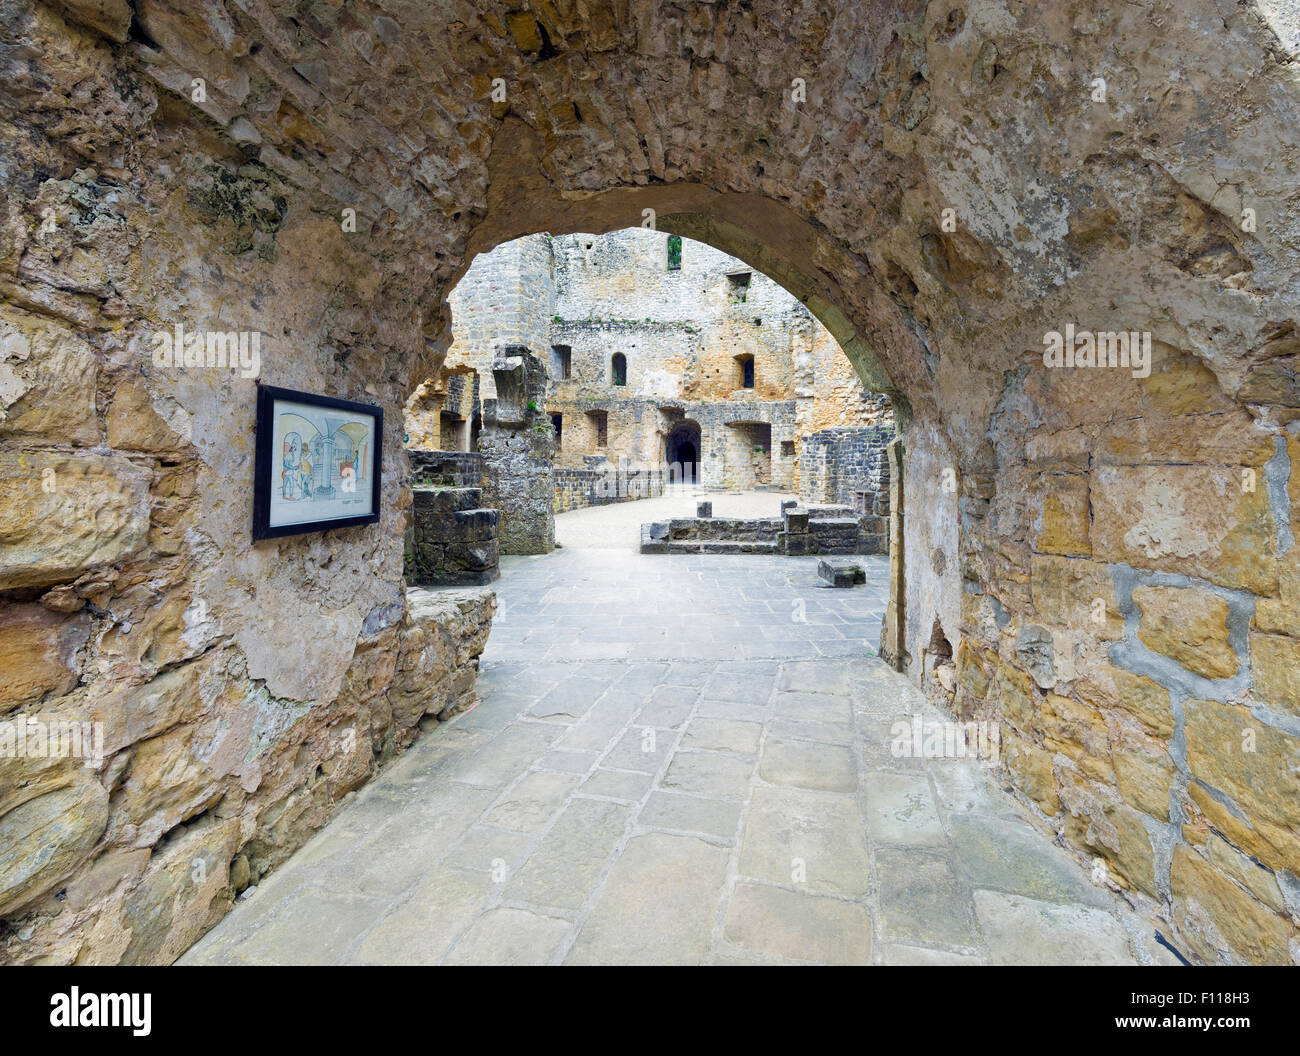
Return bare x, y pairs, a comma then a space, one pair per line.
438, 500
841, 573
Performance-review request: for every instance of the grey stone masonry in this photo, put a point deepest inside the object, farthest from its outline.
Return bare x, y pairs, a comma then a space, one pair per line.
604, 482
452, 539
518, 447
841, 573
849, 467
451, 469
799, 531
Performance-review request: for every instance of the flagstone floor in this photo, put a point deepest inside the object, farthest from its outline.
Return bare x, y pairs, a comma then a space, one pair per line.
680, 760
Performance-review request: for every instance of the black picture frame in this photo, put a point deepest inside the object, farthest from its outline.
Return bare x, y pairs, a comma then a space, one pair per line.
268, 476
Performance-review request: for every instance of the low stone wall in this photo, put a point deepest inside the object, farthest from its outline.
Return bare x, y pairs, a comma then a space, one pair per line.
450, 469
576, 489
711, 535
800, 530
451, 539
207, 783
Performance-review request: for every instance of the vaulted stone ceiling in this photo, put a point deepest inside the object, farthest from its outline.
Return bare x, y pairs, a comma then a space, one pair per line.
984, 108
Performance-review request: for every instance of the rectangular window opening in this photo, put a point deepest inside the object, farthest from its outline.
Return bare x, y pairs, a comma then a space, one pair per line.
561, 362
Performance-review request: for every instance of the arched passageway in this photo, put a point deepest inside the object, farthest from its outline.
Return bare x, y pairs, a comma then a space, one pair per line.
948, 187
682, 450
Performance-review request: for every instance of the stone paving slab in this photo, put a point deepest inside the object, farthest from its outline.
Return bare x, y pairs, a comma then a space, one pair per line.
625, 796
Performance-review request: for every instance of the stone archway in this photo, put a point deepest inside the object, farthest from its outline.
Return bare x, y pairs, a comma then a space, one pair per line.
683, 449
324, 182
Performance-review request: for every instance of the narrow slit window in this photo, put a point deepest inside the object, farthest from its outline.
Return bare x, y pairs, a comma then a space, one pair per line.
746, 370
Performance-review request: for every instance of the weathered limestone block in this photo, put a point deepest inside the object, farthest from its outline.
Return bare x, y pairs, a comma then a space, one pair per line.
1275, 671
1108, 687
1191, 519
155, 629
135, 425
444, 633
1078, 732
93, 886
1189, 626
1255, 878
48, 375
136, 713
1016, 698
1222, 922
973, 668
1144, 770
45, 838
1030, 768
39, 652
1282, 615
704, 509
1077, 594
1097, 818
110, 17
63, 514
1060, 514
1228, 438
1258, 766
183, 893
1275, 381
1036, 650
168, 783
25, 775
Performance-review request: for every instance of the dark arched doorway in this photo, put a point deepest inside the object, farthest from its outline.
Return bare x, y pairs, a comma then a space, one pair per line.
682, 452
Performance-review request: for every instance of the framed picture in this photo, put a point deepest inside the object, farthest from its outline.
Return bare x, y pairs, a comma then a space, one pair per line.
317, 463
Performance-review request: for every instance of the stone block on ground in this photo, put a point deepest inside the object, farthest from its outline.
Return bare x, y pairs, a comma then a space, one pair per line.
841, 573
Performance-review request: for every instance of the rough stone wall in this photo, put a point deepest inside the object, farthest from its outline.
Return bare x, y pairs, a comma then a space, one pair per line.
605, 483
1167, 205
681, 333
518, 448
452, 539
506, 298
448, 469
444, 413
243, 689
848, 466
